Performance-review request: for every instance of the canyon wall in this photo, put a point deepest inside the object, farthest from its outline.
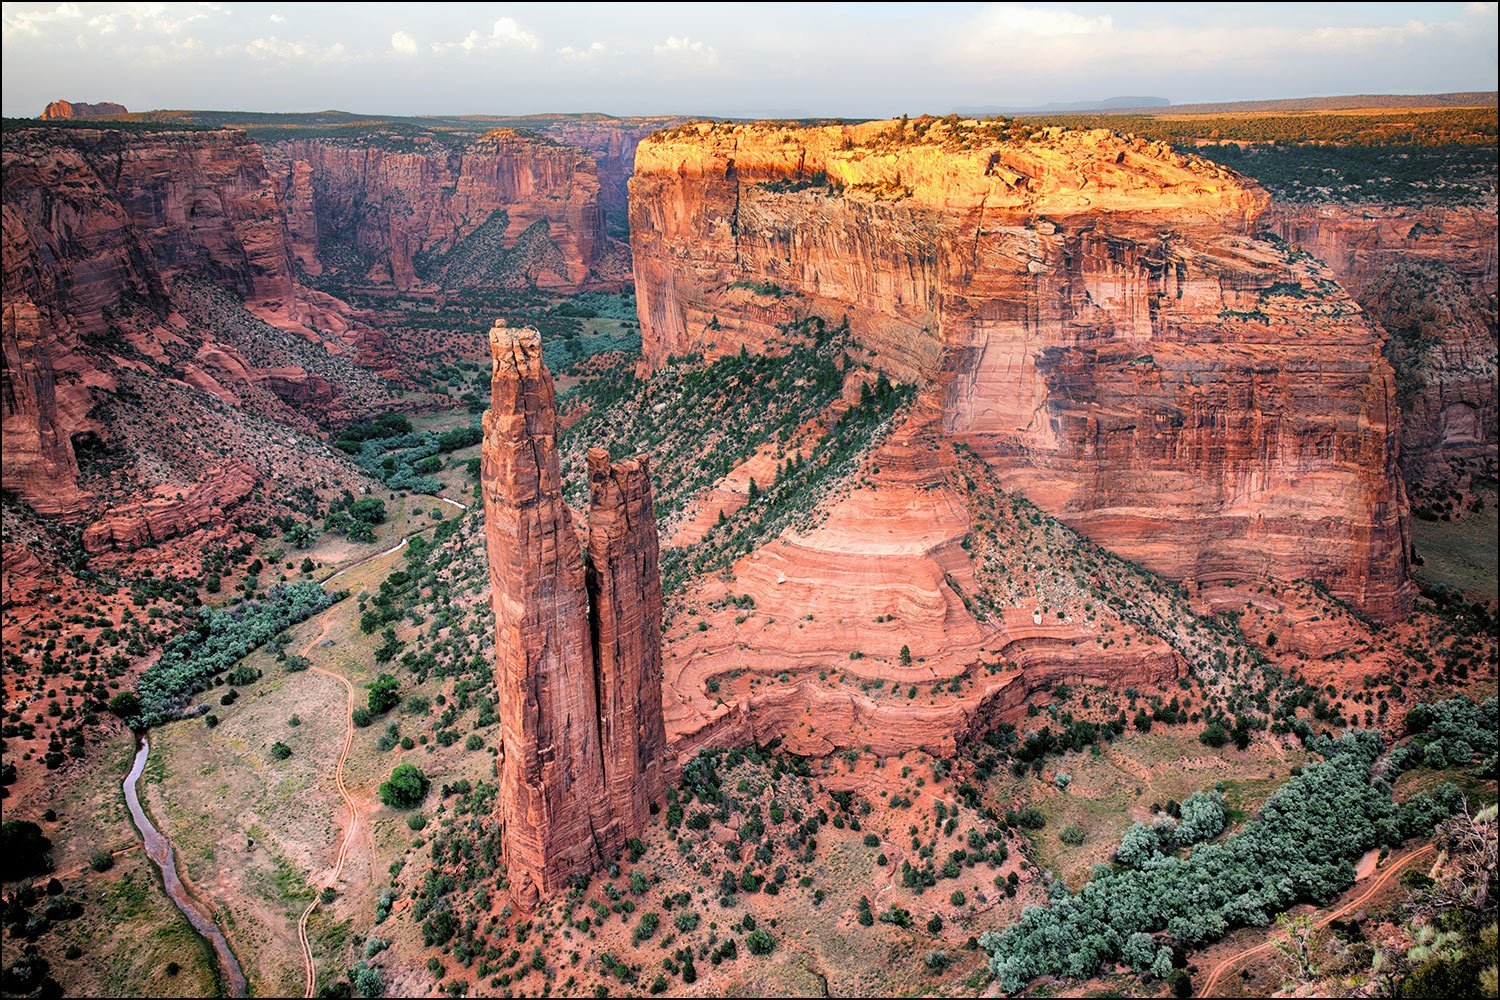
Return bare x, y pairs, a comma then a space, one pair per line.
79, 109
135, 252
1089, 312
510, 207
579, 680
1427, 274
611, 142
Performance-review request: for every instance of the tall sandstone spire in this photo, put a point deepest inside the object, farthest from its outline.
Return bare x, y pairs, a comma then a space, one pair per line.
579, 690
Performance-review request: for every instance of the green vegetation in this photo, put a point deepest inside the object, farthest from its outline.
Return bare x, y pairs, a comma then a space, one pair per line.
1401, 175
405, 789
222, 638
23, 850
1300, 847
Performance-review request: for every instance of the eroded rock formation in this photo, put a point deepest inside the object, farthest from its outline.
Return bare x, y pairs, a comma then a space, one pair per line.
579, 680
107, 238
171, 512
508, 208
78, 109
1088, 312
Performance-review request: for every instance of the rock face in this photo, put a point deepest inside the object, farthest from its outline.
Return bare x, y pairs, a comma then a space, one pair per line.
1087, 311
171, 512
78, 109
510, 208
625, 605
103, 231
582, 729
1428, 275
611, 142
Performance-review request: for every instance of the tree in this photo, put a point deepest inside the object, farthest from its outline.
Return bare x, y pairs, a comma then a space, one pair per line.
126, 704
906, 656
23, 850
1299, 944
280, 750
760, 942
405, 789
385, 694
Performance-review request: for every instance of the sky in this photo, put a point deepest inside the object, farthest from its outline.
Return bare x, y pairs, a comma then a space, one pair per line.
736, 60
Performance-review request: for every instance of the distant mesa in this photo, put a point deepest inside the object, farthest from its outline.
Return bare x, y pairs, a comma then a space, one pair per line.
77, 109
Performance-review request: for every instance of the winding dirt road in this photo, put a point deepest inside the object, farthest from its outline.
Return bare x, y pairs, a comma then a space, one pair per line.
310, 971
1233, 961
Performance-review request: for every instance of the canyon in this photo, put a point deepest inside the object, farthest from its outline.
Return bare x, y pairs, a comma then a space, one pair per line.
1093, 314
577, 650
510, 208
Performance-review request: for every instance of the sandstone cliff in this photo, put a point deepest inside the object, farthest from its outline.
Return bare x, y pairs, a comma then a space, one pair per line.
108, 238
78, 109
1428, 275
1088, 311
580, 703
509, 208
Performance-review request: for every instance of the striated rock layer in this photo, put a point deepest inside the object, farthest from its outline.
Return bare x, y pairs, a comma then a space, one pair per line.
579, 681
1428, 275
1088, 313
423, 211
625, 601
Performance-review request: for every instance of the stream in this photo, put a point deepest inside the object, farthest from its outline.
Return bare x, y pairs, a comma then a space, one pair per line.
159, 850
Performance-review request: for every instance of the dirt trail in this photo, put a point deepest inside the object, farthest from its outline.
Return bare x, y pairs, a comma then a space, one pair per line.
310, 977
1233, 961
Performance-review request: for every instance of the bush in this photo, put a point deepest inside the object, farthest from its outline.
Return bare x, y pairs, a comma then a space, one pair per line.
1300, 847
385, 694
101, 860
760, 942
362, 717
126, 704
405, 789
280, 751
1072, 835
221, 640
23, 850
1213, 735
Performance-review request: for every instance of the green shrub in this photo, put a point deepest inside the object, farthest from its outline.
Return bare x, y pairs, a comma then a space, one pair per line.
406, 787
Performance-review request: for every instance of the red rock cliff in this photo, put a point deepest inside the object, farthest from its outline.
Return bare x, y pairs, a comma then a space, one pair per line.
78, 109
625, 599
582, 734
428, 206
1427, 274
103, 231
1088, 311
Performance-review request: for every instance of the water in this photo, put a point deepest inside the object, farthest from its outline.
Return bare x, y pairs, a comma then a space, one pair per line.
159, 850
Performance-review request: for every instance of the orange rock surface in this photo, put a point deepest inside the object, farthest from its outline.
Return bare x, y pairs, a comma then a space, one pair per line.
1087, 311
78, 109
103, 232
579, 681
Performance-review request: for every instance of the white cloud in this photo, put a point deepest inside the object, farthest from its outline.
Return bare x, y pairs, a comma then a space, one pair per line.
277, 19
1008, 20
579, 55
273, 49
506, 33
687, 50
31, 23
403, 44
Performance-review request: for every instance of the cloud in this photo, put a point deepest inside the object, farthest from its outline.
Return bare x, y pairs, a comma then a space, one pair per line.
277, 19
273, 49
403, 44
31, 23
687, 50
579, 55
506, 33
1008, 20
